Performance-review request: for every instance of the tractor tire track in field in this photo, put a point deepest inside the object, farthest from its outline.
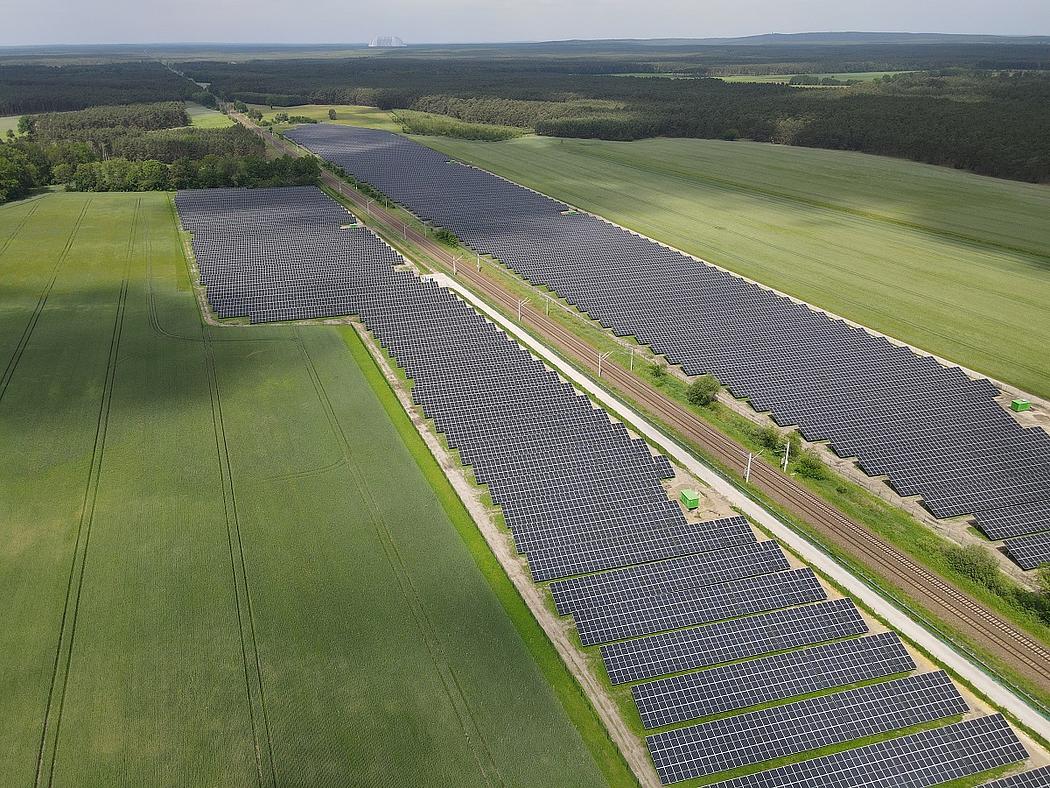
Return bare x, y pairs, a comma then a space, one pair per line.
266, 768
49, 734
19, 226
12, 363
472, 731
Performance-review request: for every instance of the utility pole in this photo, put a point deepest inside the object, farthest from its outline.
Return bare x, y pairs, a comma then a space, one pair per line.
632, 359
747, 473
479, 260
521, 303
601, 358
787, 453
404, 229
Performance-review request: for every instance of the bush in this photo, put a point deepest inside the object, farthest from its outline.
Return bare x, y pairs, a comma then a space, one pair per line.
810, 466
770, 438
1043, 578
441, 126
331, 114
976, 563
703, 391
658, 369
446, 236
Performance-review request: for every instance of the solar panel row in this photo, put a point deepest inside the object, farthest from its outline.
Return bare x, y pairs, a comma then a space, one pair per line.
742, 684
930, 429
703, 569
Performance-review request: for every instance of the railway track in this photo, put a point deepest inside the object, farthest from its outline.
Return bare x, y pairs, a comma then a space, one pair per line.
980, 625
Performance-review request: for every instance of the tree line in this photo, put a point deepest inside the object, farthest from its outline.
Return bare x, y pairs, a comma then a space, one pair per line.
139, 154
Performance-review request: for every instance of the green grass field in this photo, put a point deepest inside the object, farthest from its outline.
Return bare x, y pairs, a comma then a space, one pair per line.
204, 118
346, 114
8, 122
223, 558
955, 263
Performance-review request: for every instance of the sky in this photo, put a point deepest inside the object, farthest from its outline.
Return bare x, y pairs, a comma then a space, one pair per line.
439, 21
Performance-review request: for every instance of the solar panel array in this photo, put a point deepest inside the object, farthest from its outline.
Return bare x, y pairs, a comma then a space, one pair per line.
930, 429
1036, 778
647, 614
726, 641
918, 760
788, 675
583, 501
693, 571
1029, 552
759, 736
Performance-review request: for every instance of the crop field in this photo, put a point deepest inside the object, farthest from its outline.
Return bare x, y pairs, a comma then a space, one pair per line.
205, 118
955, 263
222, 560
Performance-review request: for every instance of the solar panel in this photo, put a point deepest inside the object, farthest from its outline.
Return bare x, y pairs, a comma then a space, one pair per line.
648, 579
918, 760
1029, 552
754, 682
673, 610
726, 641
1036, 778
961, 452
759, 736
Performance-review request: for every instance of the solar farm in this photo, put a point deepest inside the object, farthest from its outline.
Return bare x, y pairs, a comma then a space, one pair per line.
930, 429
744, 668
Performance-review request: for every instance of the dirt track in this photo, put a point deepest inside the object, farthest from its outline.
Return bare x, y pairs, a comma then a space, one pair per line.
975, 621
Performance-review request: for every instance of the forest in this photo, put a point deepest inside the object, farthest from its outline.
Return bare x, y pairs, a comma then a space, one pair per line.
139, 147
28, 88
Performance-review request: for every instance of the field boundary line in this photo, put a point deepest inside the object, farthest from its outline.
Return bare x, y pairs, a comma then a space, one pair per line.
442, 665
48, 753
18, 227
27, 333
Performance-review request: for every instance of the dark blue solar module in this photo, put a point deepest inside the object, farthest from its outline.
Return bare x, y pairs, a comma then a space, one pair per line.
931, 429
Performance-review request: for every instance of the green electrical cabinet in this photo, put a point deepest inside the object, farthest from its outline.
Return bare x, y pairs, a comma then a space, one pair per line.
690, 499
1019, 405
